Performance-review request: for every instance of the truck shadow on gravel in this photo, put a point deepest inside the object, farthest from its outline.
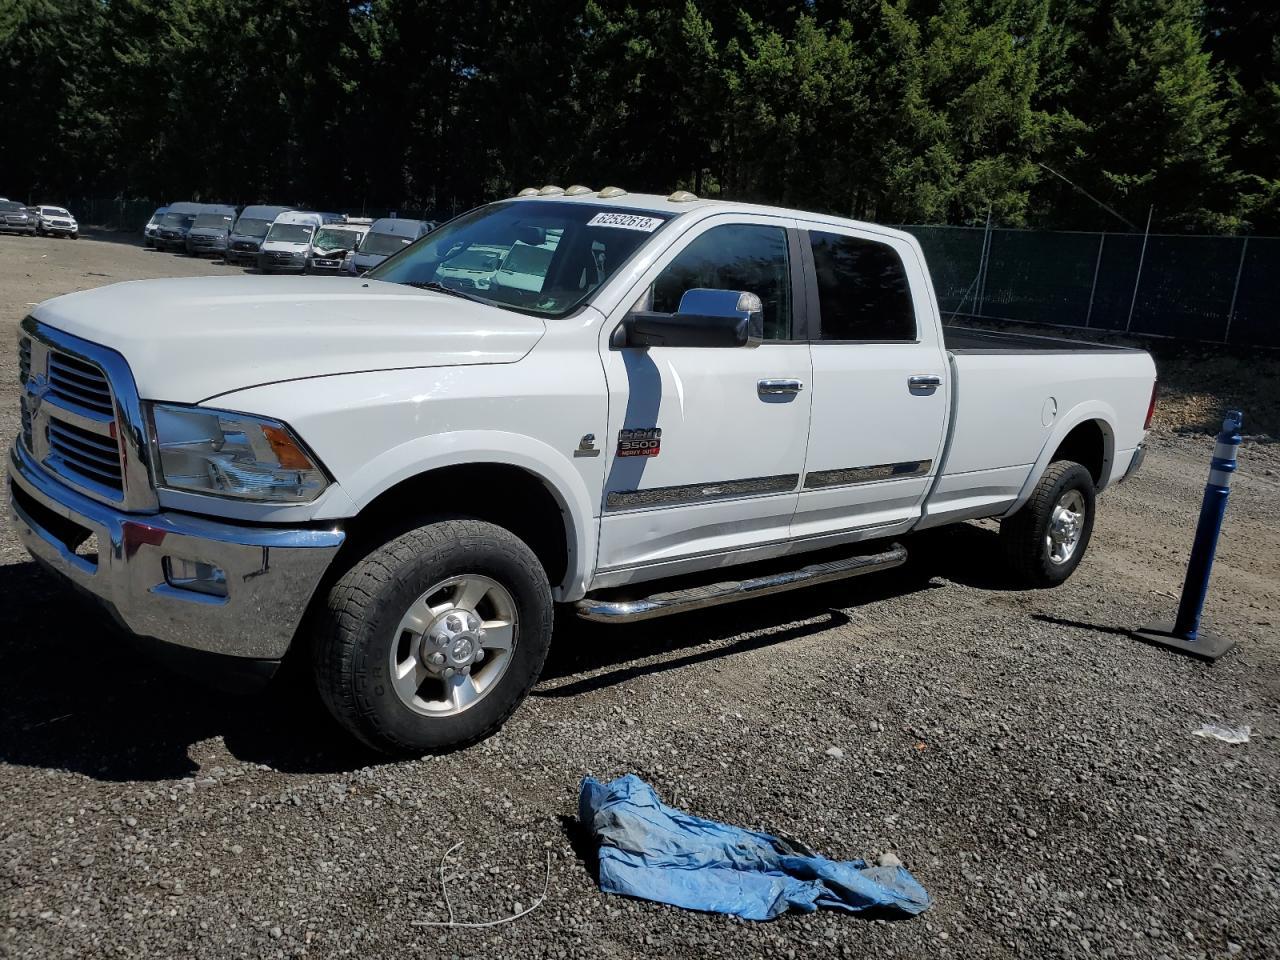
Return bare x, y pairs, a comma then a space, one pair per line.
76, 694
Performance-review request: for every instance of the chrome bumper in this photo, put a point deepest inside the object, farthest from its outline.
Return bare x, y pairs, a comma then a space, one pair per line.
270, 573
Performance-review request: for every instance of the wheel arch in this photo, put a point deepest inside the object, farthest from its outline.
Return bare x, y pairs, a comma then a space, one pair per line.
513, 480
1087, 431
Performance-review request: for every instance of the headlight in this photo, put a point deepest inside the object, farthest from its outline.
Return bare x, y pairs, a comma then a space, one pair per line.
232, 455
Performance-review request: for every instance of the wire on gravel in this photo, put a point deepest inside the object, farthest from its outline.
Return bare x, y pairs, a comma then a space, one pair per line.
451, 922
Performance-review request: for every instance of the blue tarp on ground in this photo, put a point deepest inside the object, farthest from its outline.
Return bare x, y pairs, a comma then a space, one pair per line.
649, 850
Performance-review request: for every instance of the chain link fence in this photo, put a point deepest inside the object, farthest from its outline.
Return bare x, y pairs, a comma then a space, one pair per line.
1214, 289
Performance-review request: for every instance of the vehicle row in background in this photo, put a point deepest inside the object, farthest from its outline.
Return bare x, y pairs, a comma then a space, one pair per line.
42, 220
277, 239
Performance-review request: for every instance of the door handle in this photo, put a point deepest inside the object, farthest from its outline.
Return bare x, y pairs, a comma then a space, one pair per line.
925, 381
778, 388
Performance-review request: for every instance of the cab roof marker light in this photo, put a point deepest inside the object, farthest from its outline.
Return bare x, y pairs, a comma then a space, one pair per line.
578, 190
551, 190
608, 193
682, 196
528, 192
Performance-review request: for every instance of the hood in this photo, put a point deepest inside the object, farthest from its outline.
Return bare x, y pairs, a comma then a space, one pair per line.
207, 232
191, 339
286, 246
369, 259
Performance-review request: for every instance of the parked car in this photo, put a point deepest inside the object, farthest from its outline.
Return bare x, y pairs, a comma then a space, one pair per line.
177, 220
15, 218
388, 235
288, 242
332, 244
250, 229
210, 230
399, 476
56, 221
153, 227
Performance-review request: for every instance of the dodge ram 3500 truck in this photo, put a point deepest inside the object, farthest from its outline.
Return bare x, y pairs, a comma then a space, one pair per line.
398, 476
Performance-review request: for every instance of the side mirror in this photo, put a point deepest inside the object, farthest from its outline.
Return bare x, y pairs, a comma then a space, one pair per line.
705, 318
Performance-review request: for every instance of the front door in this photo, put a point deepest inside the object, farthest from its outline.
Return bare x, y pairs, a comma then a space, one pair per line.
705, 448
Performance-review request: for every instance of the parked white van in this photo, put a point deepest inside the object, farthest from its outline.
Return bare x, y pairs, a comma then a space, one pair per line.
288, 242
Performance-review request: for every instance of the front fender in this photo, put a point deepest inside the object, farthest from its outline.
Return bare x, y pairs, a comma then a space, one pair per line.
474, 447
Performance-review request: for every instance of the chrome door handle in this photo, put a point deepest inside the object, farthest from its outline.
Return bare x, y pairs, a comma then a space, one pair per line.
778, 388
929, 381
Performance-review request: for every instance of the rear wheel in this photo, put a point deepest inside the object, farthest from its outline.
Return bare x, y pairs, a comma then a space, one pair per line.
1047, 538
430, 641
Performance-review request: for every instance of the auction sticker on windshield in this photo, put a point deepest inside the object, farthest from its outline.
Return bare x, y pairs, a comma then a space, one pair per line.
627, 221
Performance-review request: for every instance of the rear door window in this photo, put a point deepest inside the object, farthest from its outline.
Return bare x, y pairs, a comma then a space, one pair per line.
863, 293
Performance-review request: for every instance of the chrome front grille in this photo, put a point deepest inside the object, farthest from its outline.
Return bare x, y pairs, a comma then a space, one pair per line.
24, 360
25, 414
81, 417
91, 455
80, 383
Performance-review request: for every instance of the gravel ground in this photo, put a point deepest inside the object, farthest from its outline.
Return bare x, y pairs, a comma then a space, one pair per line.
1030, 764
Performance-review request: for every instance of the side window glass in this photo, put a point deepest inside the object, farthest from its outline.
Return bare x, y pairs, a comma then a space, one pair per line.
863, 292
734, 257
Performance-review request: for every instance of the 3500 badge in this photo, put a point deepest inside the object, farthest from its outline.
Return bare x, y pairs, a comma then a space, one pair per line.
641, 442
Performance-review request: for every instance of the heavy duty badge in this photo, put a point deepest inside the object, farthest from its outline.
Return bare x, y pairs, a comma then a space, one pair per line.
640, 442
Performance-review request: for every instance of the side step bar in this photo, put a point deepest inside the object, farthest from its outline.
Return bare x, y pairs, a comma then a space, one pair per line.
710, 595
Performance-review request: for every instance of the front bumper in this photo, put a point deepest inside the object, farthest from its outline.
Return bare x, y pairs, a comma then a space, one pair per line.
233, 255
59, 228
267, 263
270, 572
197, 245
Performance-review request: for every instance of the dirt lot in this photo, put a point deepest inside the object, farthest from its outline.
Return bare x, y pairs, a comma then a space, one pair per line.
1031, 764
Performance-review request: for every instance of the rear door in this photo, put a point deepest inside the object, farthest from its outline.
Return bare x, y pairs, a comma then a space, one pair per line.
706, 445
880, 384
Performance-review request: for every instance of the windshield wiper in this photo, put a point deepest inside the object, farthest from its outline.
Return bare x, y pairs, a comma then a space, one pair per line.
439, 287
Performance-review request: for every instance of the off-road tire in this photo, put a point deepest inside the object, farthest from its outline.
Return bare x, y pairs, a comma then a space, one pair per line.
1023, 535
357, 623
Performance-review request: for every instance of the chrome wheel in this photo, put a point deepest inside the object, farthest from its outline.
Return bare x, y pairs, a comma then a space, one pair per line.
453, 645
1066, 526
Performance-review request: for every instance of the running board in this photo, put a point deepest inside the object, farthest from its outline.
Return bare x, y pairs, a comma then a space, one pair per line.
729, 591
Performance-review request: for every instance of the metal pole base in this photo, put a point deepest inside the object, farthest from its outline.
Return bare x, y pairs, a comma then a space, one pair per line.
1206, 646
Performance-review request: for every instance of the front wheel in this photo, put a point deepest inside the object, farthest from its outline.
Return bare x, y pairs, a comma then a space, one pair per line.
429, 642
1046, 539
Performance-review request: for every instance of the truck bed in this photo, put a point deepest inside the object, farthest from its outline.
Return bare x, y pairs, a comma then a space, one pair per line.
969, 340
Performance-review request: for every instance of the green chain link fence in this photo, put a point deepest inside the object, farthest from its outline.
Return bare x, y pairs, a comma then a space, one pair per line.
1216, 289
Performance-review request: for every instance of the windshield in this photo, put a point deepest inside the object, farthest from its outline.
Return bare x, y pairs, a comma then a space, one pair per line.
331, 238
291, 232
178, 219
249, 227
542, 257
218, 220
383, 244
54, 212
8, 206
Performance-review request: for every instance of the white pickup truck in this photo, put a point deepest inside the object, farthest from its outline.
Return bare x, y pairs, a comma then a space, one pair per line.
643, 405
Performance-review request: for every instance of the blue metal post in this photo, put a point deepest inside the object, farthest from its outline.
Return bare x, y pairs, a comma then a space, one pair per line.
1185, 633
